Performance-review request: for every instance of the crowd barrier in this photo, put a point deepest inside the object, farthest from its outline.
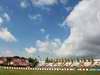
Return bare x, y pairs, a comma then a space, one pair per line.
49, 69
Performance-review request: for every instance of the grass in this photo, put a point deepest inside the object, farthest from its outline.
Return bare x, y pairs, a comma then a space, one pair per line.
23, 72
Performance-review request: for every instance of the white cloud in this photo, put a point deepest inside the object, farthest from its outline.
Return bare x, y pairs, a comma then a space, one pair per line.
1, 20
45, 46
64, 1
44, 2
6, 16
47, 36
36, 17
55, 45
24, 3
48, 45
58, 41
42, 30
48, 2
61, 25
68, 8
30, 50
84, 22
6, 35
42, 46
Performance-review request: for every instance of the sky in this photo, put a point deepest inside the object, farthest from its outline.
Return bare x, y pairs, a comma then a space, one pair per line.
49, 28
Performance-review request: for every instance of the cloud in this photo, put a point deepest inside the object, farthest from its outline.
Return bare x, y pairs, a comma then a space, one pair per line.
30, 50
1, 20
47, 36
40, 3
6, 35
84, 22
24, 3
42, 46
68, 8
42, 30
48, 45
63, 1
45, 46
6, 16
36, 17
44, 2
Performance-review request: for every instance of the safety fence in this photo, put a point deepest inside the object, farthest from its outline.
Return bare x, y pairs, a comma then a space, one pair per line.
49, 69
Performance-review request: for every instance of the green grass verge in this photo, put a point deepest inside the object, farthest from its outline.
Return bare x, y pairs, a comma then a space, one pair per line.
23, 72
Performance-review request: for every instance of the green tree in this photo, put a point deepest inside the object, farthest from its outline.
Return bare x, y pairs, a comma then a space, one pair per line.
34, 62
47, 60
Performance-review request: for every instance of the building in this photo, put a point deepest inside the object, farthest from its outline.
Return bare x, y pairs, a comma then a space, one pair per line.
17, 61
96, 63
3, 60
72, 63
14, 61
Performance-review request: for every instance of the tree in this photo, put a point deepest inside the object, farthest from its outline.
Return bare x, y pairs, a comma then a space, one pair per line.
8, 60
47, 60
34, 62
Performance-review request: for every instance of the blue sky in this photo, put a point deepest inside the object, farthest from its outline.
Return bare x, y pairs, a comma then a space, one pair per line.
26, 26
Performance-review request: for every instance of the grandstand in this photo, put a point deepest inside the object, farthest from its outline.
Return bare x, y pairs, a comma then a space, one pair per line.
67, 64
70, 63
